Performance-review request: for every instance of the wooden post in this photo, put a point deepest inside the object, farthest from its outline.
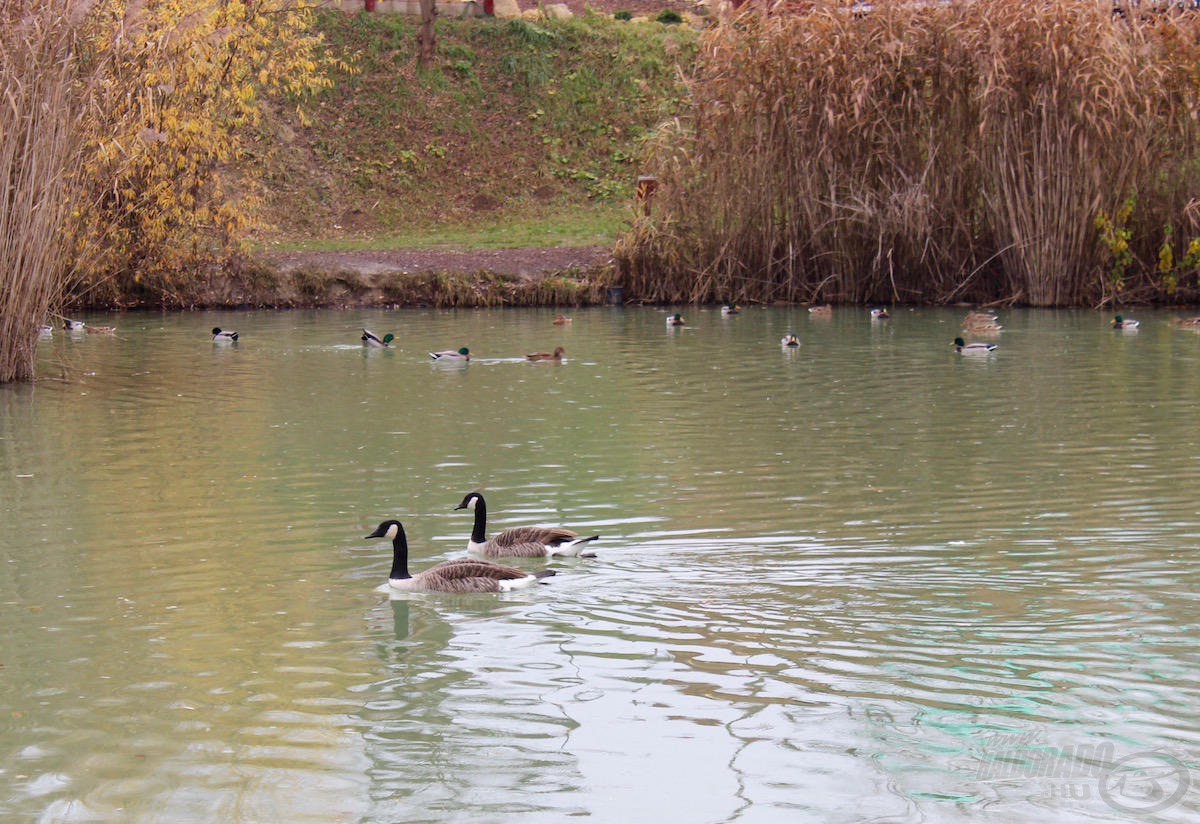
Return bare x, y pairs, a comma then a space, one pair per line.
647, 185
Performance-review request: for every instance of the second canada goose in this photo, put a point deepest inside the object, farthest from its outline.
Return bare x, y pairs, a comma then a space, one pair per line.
371, 339
461, 575
547, 356
521, 541
220, 334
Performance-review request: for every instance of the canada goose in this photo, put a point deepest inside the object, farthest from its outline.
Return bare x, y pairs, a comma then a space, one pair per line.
220, 334
789, 340
675, 320
371, 339
460, 575
730, 309
74, 325
973, 348
463, 354
521, 541
1125, 323
823, 309
562, 320
546, 356
880, 314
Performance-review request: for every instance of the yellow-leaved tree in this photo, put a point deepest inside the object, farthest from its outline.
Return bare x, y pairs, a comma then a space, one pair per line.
165, 196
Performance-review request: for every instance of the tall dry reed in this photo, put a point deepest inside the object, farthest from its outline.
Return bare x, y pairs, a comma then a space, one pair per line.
39, 152
919, 153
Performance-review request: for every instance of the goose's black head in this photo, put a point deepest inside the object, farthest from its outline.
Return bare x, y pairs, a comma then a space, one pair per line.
470, 501
387, 529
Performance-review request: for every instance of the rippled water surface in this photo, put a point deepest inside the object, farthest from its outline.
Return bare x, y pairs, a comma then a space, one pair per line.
864, 580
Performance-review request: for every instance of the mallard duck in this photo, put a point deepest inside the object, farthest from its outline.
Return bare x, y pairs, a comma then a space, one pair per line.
547, 356
220, 334
100, 330
977, 348
521, 541
980, 317
463, 354
789, 340
981, 326
730, 309
462, 575
369, 338
562, 320
1127, 324
46, 331
74, 325
1187, 323
823, 309
879, 314
675, 320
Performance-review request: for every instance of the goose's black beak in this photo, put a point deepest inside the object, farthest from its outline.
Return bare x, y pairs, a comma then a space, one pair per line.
378, 533
460, 506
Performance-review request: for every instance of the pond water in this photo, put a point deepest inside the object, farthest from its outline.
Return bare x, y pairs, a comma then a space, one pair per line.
867, 579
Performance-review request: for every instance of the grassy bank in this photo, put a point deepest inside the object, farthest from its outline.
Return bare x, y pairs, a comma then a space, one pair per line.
523, 133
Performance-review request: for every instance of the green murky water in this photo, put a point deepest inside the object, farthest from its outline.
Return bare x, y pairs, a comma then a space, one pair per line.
864, 580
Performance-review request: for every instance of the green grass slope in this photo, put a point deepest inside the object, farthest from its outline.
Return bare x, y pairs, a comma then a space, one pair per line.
522, 133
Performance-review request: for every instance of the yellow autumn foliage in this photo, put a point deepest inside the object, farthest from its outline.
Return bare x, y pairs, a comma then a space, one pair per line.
181, 81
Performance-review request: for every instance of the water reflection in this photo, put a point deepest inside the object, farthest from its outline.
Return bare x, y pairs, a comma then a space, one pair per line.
841, 582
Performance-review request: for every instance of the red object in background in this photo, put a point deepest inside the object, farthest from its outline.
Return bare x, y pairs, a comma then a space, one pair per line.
489, 7
369, 5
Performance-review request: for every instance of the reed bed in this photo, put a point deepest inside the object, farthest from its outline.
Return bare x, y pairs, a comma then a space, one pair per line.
927, 153
39, 153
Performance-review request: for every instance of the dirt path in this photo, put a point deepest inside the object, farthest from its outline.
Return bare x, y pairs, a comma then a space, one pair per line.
529, 262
